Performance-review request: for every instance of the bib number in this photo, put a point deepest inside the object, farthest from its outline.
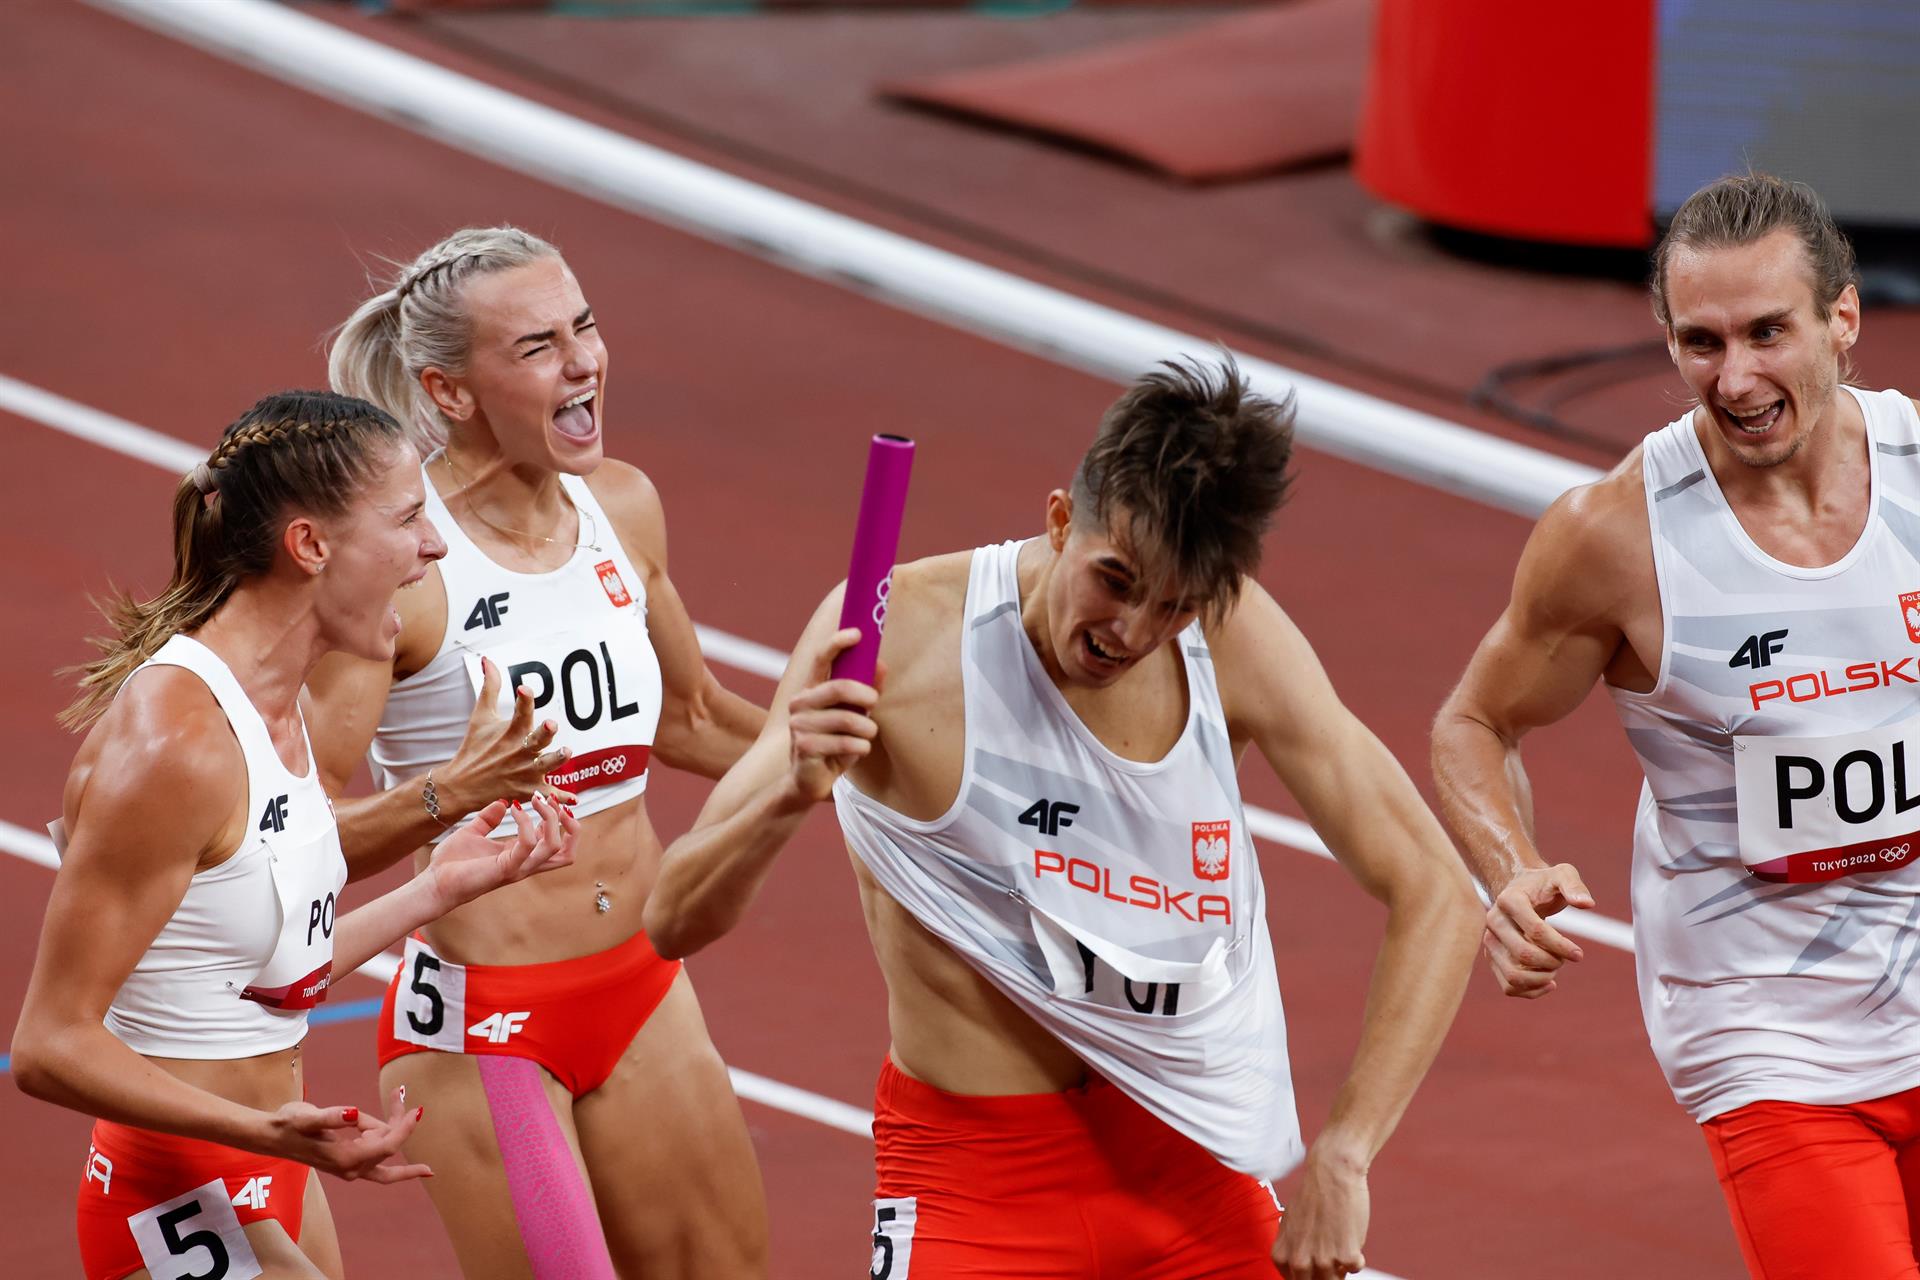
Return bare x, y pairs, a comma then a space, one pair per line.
196, 1236
430, 1008
893, 1222
1816, 809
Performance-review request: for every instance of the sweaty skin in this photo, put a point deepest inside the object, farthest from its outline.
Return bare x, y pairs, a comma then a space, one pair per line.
950, 1026
1746, 336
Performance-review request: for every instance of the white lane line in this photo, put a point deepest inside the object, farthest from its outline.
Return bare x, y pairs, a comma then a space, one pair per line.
750, 656
28, 845
519, 134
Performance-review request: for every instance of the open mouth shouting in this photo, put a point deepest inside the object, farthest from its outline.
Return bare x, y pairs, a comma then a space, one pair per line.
1756, 422
575, 420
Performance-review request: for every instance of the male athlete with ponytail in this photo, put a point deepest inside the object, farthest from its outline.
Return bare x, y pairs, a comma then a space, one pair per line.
195, 915
1747, 587
1089, 1070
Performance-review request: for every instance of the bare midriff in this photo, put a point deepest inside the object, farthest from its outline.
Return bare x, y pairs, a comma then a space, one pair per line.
553, 916
265, 1082
951, 1027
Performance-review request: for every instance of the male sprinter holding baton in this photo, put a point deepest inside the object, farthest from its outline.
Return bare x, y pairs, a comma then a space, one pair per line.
1747, 583
1089, 1065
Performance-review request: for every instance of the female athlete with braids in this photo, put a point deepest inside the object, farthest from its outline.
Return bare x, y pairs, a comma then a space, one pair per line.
547, 1001
194, 918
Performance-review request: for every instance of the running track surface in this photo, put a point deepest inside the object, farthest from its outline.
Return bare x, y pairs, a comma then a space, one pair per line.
182, 234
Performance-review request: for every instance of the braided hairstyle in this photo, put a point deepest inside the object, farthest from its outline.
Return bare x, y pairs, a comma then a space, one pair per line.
420, 322
307, 451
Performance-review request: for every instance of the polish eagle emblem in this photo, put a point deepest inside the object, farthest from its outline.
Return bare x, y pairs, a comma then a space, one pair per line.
1212, 842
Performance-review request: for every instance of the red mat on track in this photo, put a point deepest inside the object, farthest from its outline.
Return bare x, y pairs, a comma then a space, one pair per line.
1251, 94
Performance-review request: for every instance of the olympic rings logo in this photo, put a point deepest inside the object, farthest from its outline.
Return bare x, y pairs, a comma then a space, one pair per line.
616, 764
881, 593
1896, 853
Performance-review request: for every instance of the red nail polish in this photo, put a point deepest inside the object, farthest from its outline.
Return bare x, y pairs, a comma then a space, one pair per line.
419, 1114
351, 1115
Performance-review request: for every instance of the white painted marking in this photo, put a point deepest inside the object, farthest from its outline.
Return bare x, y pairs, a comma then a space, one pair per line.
30, 846
1295, 834
785, 1097
601, 164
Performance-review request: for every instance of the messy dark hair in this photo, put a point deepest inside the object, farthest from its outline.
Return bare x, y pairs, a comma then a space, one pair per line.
1187, 470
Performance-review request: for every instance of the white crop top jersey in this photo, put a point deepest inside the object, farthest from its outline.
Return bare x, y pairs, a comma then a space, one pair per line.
250, 947
577, 636
1119, 904
1775, 893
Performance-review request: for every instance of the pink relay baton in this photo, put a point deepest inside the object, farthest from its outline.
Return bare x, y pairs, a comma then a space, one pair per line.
876, 539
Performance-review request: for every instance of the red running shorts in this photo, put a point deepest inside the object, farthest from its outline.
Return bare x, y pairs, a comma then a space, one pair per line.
573, 1017
1054, 1186
1823, 1191
176, 1206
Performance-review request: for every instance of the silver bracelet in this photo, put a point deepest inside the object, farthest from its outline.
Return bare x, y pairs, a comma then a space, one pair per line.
430, 800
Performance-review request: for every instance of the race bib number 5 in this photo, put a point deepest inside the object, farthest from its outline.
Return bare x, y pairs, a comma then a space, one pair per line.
196, 1236
1820, 808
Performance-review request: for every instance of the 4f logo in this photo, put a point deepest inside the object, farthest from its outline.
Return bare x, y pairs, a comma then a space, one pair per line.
274, 816
1212, 845
487, 612
498, 1028
254, 1194
613, 584
1758, 650
1049, 815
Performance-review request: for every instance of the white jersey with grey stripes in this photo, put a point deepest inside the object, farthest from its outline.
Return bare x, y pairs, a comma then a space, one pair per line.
1776, 894
1116, 902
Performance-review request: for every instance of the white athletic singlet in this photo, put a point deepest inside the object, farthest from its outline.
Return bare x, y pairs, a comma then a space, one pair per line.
250, 947
576, 635
1775, 896
1118, 903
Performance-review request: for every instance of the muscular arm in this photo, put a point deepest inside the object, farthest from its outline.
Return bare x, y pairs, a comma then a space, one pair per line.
164, 793
348, 695
1366, 809
709, 876
1557, 637
1362, 803
704, 727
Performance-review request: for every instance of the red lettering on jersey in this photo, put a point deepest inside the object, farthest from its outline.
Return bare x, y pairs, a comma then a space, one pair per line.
610, 583
1211, 847
1143, 892
1811, 686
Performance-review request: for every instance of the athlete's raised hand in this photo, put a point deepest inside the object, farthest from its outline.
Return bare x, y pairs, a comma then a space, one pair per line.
470, 862
502, 759
347, 1144
829, 723
1525, 950
1325, 1225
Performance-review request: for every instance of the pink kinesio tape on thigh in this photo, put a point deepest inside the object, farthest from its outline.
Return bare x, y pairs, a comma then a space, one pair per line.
557, 1223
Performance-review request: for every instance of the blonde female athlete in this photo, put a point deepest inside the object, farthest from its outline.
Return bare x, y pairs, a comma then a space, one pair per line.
195, 916
575, 1092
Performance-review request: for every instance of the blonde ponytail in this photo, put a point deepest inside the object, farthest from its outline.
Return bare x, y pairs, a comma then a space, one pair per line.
420, 322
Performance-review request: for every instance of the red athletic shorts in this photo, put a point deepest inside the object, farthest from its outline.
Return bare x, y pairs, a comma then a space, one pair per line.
1054, 1186
573, 1017
176, 1205
1823, 1191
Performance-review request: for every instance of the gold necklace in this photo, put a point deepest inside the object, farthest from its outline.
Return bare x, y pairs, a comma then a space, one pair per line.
592, 544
